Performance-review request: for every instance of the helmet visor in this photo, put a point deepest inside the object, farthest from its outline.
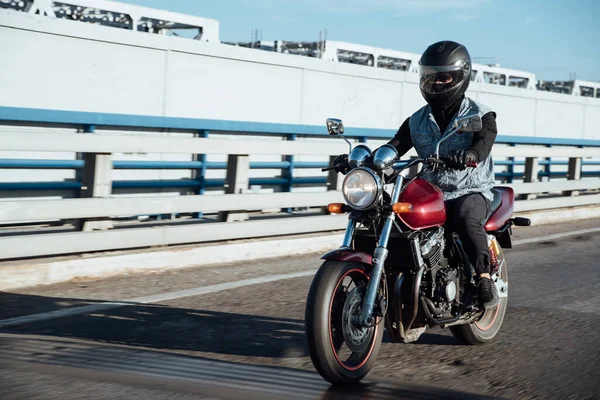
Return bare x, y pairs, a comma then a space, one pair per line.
442, 79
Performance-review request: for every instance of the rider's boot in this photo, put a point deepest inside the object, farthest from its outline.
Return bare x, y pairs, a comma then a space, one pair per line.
488, 295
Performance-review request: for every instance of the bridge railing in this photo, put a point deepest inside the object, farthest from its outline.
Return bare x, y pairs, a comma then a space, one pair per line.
38, 219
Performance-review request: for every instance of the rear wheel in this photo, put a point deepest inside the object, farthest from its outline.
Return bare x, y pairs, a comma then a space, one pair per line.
341, 351
486, 328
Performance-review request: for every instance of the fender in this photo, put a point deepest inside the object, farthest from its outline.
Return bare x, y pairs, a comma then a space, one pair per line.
348, 254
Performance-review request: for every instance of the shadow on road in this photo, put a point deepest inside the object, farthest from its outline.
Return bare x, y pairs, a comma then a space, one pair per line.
164, 327
176, 373
211, 335
151, 328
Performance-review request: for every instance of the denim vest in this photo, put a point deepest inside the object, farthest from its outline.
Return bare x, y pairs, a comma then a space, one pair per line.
425, 133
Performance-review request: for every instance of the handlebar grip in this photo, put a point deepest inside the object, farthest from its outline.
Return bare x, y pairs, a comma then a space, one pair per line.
327, 169
450, 163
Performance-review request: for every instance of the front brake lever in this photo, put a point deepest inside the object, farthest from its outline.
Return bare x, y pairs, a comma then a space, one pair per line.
345, 165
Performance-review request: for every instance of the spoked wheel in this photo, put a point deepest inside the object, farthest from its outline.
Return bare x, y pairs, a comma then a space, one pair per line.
485, 329
341, 351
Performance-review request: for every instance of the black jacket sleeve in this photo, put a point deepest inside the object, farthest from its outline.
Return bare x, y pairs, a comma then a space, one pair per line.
402, 140
484, 139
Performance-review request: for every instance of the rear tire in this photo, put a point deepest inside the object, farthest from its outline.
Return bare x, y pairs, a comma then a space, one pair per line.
326, 305
487, 327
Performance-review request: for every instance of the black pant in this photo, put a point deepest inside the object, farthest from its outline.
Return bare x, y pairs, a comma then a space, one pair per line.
467, 216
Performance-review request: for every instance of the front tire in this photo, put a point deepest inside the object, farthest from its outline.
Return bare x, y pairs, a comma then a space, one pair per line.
486, 328
341, 352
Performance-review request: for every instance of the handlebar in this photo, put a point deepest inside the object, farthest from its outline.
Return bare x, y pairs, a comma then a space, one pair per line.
444, 161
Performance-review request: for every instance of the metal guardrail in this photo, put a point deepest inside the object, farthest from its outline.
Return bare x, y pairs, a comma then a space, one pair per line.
95, 212
89, 121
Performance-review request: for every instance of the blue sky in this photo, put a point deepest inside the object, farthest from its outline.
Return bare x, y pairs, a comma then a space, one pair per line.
551, 38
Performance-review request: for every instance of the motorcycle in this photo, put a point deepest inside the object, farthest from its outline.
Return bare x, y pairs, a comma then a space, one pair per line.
399, 269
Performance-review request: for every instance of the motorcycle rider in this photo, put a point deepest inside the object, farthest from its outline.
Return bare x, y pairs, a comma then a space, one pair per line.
445, 69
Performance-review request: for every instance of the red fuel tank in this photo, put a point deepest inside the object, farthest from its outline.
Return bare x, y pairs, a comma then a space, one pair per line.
428, 208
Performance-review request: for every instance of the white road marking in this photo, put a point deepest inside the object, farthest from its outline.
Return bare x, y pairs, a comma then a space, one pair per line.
220, 287
150, 299
217, 288
586, 306
60, 313
555, 236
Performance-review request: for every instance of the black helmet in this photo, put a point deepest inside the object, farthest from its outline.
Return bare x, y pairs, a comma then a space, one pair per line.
445, 73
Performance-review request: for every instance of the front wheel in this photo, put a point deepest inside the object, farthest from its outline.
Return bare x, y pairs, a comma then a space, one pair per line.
342, 352
486, 328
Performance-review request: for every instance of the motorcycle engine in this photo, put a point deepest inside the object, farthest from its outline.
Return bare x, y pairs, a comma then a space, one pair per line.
446, 288
441, 282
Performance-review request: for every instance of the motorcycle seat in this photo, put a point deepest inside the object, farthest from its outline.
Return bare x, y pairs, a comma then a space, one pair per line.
497, 202
501, 207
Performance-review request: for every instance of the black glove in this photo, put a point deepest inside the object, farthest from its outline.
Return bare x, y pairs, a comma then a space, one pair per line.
341, 164
461, 159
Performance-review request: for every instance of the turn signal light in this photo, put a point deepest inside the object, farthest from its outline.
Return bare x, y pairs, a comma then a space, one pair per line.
336, 208
402, 208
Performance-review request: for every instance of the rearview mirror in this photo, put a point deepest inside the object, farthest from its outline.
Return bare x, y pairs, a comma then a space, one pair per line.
469, 123
335, 126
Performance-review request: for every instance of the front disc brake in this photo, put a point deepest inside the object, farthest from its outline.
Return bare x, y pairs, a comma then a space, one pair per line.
357, 337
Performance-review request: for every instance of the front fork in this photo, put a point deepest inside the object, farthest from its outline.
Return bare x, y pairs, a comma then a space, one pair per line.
379, 257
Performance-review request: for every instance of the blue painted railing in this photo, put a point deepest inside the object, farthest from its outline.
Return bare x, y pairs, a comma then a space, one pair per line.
16, 163
87, 122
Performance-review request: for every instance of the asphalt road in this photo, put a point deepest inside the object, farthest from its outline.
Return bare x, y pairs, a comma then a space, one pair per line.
219, 333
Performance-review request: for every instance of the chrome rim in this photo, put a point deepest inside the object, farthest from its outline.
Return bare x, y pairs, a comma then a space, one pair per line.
351, 345
489, 317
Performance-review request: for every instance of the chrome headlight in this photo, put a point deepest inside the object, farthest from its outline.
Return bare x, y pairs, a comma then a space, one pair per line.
361, 188
385, 156
358, 155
